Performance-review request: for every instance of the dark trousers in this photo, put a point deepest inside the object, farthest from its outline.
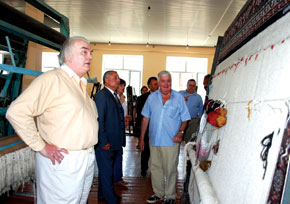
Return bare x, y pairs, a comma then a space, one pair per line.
145, 155
106, 161
118, 167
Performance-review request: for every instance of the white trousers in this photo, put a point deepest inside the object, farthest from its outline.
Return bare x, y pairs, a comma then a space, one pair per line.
68, 182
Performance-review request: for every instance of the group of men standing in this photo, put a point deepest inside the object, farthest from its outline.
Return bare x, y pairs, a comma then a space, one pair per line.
71, 131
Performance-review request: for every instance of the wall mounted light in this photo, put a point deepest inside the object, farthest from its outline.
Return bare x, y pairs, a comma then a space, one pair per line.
109, 43
147, 45
187, 47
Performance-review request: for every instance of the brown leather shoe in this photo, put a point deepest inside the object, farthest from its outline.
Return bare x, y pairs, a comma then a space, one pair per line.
122, 183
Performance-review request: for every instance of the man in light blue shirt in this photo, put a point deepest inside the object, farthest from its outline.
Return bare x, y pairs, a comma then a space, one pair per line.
168, 115
195, 105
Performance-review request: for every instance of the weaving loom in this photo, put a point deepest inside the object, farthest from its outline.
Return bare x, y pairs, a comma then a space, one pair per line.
252, 78
16, 163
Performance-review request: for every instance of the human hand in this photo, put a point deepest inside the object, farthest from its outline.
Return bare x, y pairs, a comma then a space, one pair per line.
186, 98
178, 137
128, 118
106, 147
122, 98
141, 145
53, 153
126, 122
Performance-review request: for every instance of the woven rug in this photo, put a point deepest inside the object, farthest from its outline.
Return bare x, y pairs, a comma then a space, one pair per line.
254, 17
16, 163
279, 179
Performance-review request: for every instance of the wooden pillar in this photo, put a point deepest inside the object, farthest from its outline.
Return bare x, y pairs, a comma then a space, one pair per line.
34, 52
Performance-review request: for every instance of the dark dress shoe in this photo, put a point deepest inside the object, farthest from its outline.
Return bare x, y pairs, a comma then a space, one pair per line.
143, 173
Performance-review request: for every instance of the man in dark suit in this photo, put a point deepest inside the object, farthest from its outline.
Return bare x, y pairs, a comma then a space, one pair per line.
145, 155
111, 135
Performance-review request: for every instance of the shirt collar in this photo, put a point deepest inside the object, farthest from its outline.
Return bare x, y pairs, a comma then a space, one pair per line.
71, 73
159, 93
110, 90
188, 94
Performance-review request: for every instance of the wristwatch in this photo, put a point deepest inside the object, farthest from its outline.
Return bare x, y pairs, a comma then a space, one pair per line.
181, 131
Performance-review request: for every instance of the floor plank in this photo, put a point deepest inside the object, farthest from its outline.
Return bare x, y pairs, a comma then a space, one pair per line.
136, 192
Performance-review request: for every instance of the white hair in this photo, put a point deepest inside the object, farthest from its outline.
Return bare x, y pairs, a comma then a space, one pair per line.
163, 73
67, 47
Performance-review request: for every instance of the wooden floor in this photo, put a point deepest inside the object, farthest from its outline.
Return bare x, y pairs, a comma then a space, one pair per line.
137, 191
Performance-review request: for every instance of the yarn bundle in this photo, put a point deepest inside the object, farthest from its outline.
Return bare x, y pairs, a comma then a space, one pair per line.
216, 113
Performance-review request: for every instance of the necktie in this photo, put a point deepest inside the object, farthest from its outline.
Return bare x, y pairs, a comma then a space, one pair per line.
117, 99
119, 104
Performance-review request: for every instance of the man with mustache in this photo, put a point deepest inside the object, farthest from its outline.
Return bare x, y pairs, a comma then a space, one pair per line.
111, 135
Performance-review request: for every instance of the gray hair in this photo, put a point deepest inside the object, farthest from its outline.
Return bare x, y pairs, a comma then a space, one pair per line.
67, 48
107, 73
163, 73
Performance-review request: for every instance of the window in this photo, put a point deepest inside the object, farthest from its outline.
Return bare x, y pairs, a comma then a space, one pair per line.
5, 59
184, 68
49, 61
129, 68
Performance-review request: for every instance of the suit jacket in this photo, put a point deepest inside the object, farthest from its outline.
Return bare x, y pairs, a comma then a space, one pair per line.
140, 103
111, 121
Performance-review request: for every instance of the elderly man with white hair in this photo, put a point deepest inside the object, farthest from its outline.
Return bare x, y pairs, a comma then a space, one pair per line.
67, 126
168, 115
